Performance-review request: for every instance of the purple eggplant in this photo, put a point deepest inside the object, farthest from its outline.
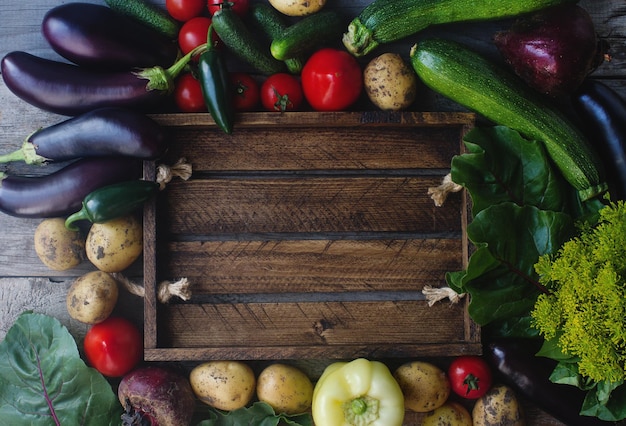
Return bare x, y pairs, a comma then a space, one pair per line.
98, 133
61, 193
516, 364
68, 89
94, 35
603, 118
553, 50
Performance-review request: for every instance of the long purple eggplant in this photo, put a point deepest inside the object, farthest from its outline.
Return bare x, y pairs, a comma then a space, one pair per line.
516, 364
94, 35
61, 193
603, 118
98, 133
68, 89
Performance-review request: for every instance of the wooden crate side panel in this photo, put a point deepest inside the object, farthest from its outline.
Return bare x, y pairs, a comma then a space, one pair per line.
312, 266
308, 204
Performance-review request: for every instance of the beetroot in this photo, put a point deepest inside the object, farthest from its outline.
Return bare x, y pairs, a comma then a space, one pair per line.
553, 50
156, 396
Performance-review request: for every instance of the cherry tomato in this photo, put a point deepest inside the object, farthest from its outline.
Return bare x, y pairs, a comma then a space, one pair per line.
188, 94
194, 32
281, 92
332, 80
246, 91
470, 376
114, 346
240, 7
184, 10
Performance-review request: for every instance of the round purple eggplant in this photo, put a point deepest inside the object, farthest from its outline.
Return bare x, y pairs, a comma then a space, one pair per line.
98, 133
61, 193
67, 89
93, 35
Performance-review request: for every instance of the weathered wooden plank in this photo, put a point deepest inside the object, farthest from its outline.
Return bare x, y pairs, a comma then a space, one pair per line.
332, 329
230, 268
251, 205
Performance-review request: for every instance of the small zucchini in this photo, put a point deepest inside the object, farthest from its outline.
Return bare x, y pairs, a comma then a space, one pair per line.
473, 81
271, 23
384, 21
307, 34
148, 14
244, 43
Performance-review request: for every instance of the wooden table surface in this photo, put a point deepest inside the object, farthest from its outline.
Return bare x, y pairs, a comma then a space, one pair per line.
26, 284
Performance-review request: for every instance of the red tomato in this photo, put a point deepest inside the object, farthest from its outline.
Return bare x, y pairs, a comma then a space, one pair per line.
470, 376
281, 92
114, 346
184, 10
188, 94
240, 7
246, 91
332, 80
194, 32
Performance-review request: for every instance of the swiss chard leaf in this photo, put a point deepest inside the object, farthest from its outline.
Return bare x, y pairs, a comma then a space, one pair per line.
44, 381
258, 414
500, 276
502, 166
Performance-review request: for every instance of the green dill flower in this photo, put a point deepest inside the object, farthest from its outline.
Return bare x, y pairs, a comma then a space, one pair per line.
586, 307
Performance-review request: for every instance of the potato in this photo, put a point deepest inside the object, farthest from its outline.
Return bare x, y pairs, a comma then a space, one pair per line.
92, 297
58, 247
499, 406
390, 83
424, 385
449, 414
285, 388
298, 7
225, 385
114, 245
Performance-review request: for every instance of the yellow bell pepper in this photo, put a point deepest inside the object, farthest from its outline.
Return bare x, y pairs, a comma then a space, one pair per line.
357, 393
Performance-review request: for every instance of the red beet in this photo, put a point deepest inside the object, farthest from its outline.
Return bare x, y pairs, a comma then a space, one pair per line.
156, 396
553, 50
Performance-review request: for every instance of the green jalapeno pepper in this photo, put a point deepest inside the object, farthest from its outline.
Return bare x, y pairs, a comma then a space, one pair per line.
215, 85
113, 201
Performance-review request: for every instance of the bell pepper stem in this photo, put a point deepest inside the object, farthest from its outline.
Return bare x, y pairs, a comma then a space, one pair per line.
361, 411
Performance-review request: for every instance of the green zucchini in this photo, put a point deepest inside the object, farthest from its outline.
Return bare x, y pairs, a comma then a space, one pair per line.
244, 43
148, 14
269, 21
384, 21
461, 74
307, 34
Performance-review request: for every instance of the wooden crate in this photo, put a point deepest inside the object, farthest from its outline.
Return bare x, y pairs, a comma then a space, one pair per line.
308, 235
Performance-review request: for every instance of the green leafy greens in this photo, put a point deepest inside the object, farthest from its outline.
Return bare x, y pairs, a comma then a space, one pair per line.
583, 318
43, 380
537, 270
522, 208
258, 414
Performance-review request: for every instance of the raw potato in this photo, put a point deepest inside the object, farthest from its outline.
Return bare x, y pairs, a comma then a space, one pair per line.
285, 388
390, 83
114, 245
59, 248
449, 414
424, 385
499, 406
225, 385
92, 297
298, 7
